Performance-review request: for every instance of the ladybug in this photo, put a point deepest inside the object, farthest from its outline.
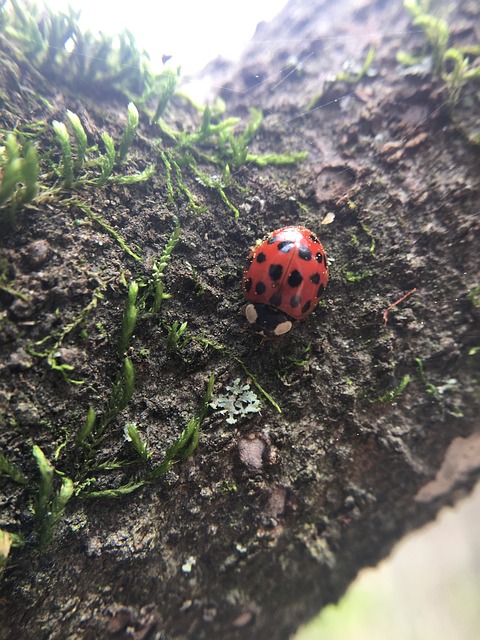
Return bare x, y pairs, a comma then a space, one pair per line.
285, 276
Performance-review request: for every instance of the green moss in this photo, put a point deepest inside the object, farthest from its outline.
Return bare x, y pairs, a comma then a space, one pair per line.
218, 347
129, 318
159, 266
393, 394
67, 163
25, 181
121, 395
19, 172
163, 86
435, 30
228, 486
217, 185
132, 435
129, 133
116, 64
7, 541
56, 340
351, 276
369, 233
431, 388
220, 144
93, 62
48, 504
177, 337
451, 64
87, 428
7, 277
289, 364
352, 76
97, 218
474, 296
215, 142
9, 470
182, 448
187, 443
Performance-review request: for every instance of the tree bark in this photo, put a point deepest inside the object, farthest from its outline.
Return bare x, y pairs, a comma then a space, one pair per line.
273, 516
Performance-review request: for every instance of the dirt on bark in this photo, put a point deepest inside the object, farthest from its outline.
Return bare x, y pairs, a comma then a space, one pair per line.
272, 516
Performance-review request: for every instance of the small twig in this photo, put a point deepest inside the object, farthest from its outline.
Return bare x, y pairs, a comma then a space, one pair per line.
394, 304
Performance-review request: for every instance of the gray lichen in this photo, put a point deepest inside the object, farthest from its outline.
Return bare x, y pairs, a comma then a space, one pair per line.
239, 402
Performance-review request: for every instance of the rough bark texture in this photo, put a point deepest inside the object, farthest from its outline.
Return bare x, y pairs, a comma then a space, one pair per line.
272, 517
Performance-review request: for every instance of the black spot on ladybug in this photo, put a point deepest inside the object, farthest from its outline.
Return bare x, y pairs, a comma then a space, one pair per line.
276, 300
295, 278
295, 301
272, 240
261, 257
313, 238
247, 284
285, 246
275, 271
248, 263
304, 252
306, 306
315, 278
321, 291
319, 257
260, 288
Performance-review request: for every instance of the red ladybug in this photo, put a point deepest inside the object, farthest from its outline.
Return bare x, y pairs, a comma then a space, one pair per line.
285, 276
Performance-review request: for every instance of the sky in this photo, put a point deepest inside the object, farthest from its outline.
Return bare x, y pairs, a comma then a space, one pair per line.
193, 32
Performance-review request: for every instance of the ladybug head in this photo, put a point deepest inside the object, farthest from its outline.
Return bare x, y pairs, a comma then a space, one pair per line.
267, 321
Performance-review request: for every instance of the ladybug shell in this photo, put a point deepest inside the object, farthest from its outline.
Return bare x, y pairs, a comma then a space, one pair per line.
287, 271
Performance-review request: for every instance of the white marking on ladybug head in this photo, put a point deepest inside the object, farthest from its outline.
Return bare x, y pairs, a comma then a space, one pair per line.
251, 313
282, 328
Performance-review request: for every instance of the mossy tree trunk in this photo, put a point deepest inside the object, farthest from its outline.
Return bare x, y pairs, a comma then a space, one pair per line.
272, 516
